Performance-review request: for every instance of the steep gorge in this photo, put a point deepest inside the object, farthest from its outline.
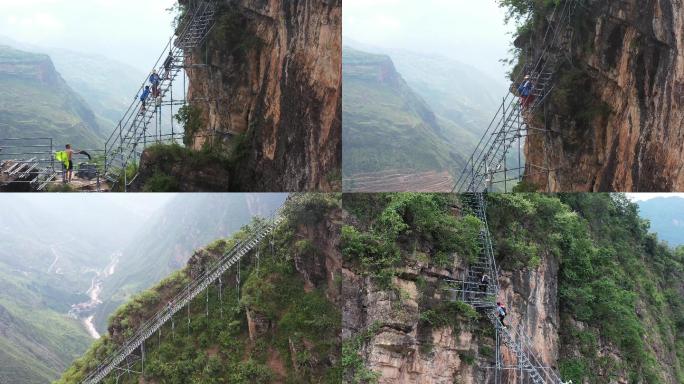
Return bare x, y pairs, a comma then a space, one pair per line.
615, 117
274, 318
267, 85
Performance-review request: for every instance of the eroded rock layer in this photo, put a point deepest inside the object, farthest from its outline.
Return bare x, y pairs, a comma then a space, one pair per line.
273, 81
616, 116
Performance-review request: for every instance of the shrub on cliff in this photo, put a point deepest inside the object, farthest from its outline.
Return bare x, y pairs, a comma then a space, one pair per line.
380, 242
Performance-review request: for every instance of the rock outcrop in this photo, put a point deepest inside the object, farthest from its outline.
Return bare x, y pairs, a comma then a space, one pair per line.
404, 350
616, 119
270, 77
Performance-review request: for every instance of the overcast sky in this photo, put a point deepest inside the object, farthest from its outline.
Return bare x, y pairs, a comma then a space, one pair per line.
470, 31
649, 196
131, 31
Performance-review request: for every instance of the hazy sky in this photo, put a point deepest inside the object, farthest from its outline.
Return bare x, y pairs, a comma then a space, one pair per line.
470, 31
648, 196
131, 31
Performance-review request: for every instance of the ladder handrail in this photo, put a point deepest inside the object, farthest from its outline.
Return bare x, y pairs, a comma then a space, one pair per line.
478, 167
191, 291
487, 264
122, 144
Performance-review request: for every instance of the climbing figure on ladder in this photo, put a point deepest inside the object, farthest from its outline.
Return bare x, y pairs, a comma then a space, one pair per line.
484, 282
143, 98
167, 66
525, 90
501, 312
155, 80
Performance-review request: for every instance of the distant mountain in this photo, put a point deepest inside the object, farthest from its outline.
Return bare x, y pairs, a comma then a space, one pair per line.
666, 215
106, 85
457, 92
35, 101
166, 242
37, 339
463, 97
387, 128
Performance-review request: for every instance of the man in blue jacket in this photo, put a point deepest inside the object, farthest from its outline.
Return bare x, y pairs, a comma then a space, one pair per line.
155, 80
144, 96
525, 90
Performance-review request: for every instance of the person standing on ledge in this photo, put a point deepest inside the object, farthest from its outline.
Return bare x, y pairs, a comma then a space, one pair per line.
66, 158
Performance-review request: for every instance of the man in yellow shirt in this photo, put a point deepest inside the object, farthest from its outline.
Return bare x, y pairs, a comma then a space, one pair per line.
66, 158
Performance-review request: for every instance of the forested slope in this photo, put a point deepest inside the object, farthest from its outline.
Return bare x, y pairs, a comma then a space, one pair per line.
274, 320
598, 296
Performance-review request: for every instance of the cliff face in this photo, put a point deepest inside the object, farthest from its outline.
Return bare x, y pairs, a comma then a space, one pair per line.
403, 348
579, 275
273, 82
616, 115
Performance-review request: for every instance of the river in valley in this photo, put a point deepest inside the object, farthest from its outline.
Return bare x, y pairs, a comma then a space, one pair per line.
85, 311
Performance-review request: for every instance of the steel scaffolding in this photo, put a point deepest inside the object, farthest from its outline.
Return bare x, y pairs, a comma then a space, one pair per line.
470, 289
182, 301
489, 164
125, 145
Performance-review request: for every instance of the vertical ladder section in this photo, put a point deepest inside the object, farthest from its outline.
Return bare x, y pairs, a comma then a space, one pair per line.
509, 124
470, 290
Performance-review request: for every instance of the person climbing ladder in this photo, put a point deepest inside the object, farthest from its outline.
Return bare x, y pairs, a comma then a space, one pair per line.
525, 90
501, 312
155, 80
484, 282
167, 66
143, 98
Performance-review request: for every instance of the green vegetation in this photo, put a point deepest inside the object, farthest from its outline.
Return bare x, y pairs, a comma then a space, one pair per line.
449, 314
353, 363
127, 176
231, 32
162, 160
612, 277
295, 334
404, 220
189, 116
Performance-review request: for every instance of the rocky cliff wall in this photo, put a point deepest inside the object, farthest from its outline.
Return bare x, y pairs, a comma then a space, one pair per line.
273, 82
582, 280
616, 116
400, 346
